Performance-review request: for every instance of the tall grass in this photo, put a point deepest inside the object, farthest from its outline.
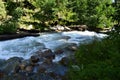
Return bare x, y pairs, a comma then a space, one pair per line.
99, 60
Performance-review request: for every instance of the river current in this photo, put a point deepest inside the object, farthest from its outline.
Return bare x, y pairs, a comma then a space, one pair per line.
27, 46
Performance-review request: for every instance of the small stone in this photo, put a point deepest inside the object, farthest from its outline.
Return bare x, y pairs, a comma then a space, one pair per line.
64, 61
29, 68
48, 61
47, 53
34, 59
17, 69
73, 47
22, 66
42, 69
60, 51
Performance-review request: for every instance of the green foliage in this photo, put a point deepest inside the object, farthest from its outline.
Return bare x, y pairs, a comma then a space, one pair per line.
18, 13
64, 12
8, 27
2, 10
46, 10
98, 60
99, 13
52, 11
93, 13
80, 8
117, 13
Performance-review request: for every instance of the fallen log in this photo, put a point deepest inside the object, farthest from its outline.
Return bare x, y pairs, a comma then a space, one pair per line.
17, 35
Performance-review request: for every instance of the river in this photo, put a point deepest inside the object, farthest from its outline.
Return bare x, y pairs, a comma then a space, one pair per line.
27, 46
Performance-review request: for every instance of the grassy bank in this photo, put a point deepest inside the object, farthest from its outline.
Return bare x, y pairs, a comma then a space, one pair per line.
98, 60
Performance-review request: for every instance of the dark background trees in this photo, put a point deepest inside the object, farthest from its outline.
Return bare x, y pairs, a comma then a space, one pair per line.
44, 13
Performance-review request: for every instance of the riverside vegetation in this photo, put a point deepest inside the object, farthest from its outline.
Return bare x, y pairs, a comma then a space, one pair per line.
41, 14
98, 60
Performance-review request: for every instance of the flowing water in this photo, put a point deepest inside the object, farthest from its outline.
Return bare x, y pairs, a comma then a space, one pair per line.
27, 46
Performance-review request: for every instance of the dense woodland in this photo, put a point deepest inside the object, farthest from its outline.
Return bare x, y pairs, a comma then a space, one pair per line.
44, 13
98, 60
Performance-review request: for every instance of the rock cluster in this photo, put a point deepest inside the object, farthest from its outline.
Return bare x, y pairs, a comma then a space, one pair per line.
40, 66
59, 28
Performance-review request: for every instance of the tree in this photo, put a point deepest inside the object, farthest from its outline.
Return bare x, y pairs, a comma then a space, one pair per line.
99, 13
117, 13
2, 10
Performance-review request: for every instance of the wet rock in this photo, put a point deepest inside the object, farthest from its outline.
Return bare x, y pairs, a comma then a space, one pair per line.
67, 28
54, 75
2, 62
47, 53
15, 59
15, 77
29, 68
17, 69
57, 28
66, 37
48, 61
34, 60
56, 69
78, 27
11, 63
22, 66
41, 77
2, 74
72, 47
59, 51
64, 61
42, 69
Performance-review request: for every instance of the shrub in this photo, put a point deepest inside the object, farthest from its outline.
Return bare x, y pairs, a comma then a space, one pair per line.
8, 28
2, 10
97, 60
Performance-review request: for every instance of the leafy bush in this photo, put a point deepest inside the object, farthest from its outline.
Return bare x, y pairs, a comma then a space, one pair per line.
8, 28
97, 60
116, 16
93, 13
2, 10
99, 13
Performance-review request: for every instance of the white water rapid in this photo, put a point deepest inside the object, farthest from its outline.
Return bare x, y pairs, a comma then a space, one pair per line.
27, 46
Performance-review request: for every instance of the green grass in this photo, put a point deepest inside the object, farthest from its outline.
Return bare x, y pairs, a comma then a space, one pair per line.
99, 60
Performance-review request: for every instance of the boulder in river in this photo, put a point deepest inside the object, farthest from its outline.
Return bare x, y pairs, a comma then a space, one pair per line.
2, 74
11, 63
59, 51
46, 53
64, 61
72, 47
34, 60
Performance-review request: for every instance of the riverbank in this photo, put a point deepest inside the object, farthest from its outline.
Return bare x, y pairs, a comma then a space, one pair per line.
33, 32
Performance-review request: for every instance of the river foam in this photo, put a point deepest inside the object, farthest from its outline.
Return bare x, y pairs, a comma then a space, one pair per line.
27, 46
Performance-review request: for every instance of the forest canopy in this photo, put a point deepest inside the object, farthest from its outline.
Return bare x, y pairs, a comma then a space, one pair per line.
45, 13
